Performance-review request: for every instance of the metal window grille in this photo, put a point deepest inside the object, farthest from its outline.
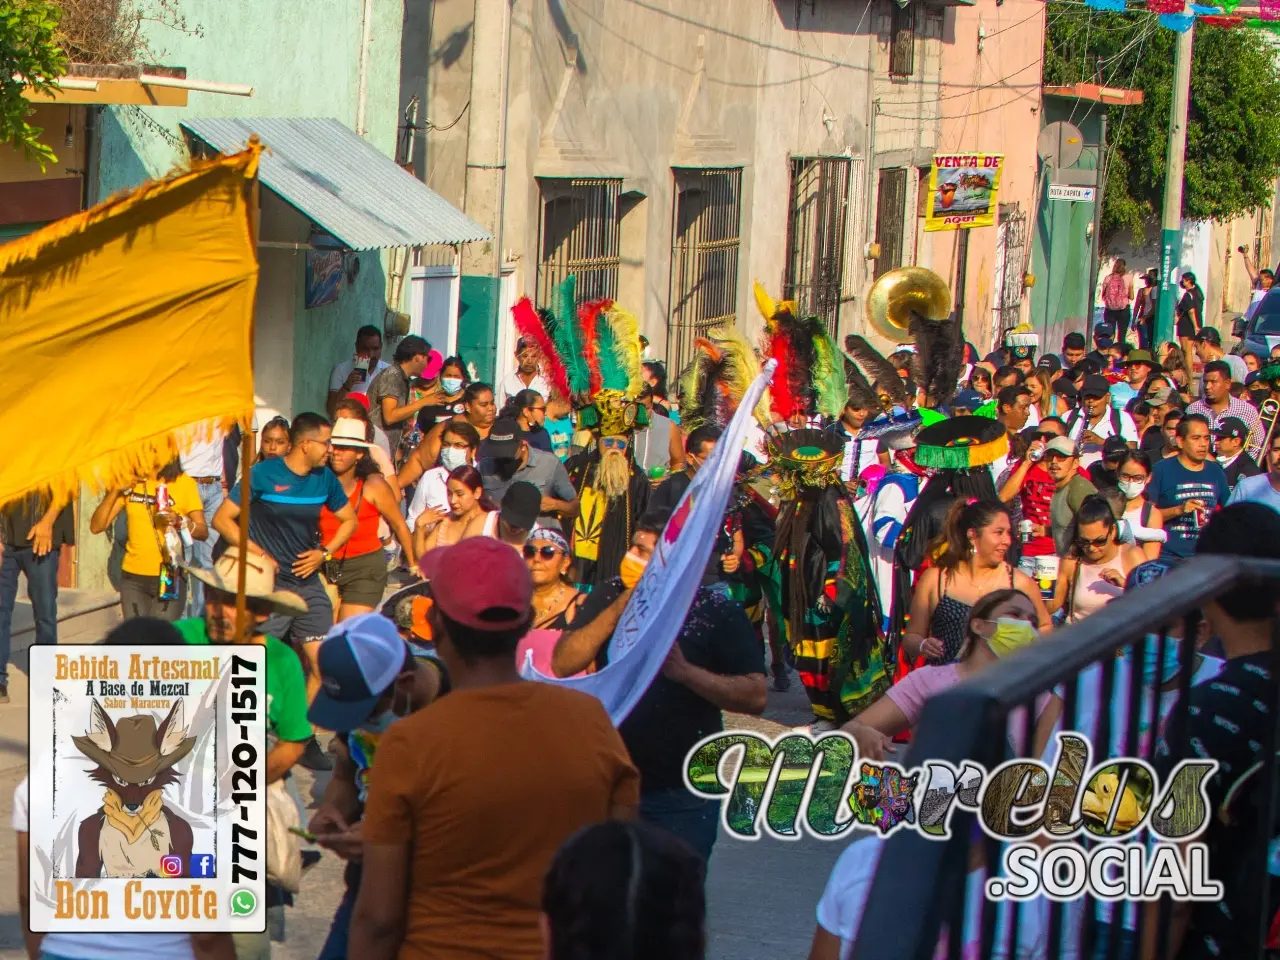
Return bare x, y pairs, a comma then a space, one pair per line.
1011, 252
891, 200
704, 258
578, 236
816, 226
902, 49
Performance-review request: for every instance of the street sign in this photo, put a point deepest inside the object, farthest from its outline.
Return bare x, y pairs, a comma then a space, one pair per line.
1062, 191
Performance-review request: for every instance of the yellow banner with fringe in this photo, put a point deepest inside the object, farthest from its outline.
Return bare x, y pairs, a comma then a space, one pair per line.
126, 323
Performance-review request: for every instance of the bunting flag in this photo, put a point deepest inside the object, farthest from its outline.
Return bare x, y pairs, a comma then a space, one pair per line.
1109, 6
1269, 9
1165, 6
655, 613
126, 323
1177, 22
1224, 22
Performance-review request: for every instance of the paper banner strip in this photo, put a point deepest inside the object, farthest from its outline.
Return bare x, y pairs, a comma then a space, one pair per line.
1177, 22
1224, 22
1114, 6
1269, 9
1165, 6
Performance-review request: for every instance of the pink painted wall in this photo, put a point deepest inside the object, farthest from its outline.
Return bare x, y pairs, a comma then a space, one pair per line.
990, 100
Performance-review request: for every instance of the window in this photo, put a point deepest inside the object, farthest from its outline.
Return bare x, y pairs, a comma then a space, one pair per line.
578, 236
902, 49
704, 258
891, 200
816, 226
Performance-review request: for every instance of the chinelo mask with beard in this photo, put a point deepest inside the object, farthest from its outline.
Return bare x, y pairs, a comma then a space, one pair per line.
613, 474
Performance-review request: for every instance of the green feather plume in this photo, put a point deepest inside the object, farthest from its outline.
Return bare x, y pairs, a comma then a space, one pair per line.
828, 377
568, 337
626, 347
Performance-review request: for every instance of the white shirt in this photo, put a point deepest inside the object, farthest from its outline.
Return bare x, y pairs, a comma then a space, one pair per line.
867, 456
1091, 453
343, 370
431, 494
101, 946
512, 384
204, 458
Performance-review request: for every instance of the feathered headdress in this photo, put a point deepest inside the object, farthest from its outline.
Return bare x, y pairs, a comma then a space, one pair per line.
939, 357
810, 379
883, 375
712, 385
539, 326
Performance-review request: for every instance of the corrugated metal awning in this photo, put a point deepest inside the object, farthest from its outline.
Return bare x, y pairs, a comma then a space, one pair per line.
362, 197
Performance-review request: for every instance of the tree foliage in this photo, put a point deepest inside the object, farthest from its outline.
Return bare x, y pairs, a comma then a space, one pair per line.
1233, 128
29, 54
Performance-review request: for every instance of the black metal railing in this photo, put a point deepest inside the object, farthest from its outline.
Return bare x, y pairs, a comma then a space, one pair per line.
919, 885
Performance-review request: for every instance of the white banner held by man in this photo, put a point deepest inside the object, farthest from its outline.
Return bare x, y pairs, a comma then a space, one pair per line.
655, 613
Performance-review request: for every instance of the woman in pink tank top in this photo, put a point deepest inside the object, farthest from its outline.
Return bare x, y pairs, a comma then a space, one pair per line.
1093, 574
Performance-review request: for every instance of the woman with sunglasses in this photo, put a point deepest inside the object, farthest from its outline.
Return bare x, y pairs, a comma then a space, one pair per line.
980, 382
1093, 573
470, 513
555, 598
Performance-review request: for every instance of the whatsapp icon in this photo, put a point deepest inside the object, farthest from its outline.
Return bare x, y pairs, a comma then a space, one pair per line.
243, 903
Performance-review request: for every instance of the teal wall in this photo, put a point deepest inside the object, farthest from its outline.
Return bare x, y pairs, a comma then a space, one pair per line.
1061, 247
477, 340
302, 59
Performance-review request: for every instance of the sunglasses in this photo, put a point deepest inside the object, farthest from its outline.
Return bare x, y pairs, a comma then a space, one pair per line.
547, 552
1100, 542
613, 443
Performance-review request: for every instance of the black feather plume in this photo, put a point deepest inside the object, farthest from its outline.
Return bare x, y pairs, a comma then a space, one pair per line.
879, 370
939, 356
861, 394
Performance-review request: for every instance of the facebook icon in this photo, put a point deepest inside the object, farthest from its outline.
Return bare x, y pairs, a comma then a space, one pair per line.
201, 865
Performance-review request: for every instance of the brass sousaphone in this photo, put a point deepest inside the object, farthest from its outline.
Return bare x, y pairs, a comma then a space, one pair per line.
900, 293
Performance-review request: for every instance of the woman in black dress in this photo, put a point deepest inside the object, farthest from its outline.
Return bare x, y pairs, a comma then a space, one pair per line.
1190, 312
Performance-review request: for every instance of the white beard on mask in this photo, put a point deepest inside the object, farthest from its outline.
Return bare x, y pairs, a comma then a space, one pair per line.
613, 474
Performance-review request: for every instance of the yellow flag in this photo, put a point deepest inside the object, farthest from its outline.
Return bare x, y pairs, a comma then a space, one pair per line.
125, 323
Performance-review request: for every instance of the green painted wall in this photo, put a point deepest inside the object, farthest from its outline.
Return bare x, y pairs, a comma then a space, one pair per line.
477, 339
1061, 247
302, 59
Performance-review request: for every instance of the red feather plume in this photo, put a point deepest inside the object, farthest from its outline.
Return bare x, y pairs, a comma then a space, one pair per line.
588, 321
531, 325
787, 402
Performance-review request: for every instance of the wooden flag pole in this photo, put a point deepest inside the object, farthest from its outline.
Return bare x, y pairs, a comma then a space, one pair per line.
244, 628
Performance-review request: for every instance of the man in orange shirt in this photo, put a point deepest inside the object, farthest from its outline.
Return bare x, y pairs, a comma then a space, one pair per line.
471, 797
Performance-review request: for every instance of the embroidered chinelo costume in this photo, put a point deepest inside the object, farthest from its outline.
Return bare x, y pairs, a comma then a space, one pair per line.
829, 599
593, 357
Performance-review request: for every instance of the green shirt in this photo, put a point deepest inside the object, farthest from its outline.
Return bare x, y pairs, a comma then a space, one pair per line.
286, 687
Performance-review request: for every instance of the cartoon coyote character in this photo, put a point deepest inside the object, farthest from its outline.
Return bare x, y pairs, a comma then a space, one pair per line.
133, 829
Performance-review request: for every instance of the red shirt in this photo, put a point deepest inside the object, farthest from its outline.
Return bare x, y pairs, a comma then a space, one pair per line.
1037, 493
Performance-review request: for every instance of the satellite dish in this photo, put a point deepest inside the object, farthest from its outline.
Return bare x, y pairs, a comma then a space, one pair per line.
1060, 144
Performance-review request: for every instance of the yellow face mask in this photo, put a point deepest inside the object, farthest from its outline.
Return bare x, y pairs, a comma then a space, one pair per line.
631, 569
1010, 635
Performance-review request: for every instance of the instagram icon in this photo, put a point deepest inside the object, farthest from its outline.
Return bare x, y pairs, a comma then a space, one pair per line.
170, 866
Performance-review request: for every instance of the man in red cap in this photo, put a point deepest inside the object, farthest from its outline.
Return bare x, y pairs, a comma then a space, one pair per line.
471, 797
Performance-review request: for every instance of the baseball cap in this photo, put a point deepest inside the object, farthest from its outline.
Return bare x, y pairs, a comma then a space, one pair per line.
1061, 445
1231, 427
1159, 394
480, 582
1095, 386
1065, 389
1113, 448
1049, 362
358, 661
967, 400
521, 505
503, 442
1209, 335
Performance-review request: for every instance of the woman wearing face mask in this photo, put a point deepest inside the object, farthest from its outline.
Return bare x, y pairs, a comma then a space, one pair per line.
470, 514
1134, 473
970, 561
458, 445
1093, 574
529, 409
453, 380
997, 624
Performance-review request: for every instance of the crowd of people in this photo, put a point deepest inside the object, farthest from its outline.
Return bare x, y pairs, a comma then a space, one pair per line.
412, 551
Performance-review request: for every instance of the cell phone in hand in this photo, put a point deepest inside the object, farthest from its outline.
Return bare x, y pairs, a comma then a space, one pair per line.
305, 835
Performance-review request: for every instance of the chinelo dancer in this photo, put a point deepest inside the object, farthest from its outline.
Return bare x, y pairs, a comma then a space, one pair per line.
592, 354
828, 596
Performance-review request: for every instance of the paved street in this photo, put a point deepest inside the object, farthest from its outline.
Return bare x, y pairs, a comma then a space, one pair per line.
761, 896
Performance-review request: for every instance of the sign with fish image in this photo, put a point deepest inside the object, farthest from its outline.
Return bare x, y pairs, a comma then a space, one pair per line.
963, 191
1071, 829
148, 804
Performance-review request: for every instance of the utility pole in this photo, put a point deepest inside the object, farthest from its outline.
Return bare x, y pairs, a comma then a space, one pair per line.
1171, 224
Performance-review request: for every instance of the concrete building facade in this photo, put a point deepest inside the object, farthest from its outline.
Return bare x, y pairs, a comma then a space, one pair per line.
668, 154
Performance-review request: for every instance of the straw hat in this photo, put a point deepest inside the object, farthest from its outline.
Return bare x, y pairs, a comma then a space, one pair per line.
260, 581
349, 433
